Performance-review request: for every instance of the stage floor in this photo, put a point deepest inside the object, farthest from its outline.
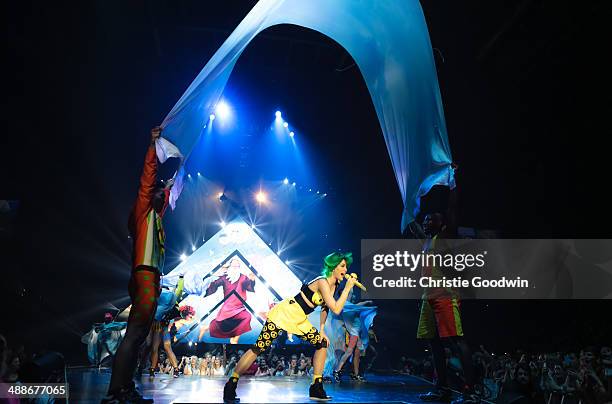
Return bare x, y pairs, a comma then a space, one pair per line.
89, 386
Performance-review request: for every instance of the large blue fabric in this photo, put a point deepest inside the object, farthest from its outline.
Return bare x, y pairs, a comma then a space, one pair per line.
390, 44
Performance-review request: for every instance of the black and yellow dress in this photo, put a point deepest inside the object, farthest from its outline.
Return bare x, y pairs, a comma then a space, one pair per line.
291, 315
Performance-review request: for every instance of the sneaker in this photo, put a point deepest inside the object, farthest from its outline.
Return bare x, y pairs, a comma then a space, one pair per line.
337, 376
357, 378
440, 394
229, 391
467, 398
317, 392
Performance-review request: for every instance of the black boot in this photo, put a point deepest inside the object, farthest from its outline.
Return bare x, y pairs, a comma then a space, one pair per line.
229, 391
440, 394
317, 392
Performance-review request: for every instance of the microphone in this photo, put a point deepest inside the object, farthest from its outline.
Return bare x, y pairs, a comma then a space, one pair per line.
359, 285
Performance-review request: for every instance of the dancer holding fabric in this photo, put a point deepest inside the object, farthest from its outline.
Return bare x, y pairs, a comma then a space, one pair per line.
291, 315
440, 318
147, 233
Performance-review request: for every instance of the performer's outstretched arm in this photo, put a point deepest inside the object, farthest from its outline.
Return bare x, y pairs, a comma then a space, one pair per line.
334, 305
148, 176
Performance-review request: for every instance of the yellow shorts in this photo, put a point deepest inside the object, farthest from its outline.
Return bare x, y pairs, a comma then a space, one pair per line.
289, 316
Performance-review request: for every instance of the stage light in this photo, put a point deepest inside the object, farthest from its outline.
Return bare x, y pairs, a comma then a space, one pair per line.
223, 223
324, 194
199, 175
183, 257
222, 109
317, 192
286, 181
293, 184
196, 344
190, 343
291, 134
193, 248
286, 125
212, 117
278, 115
286, 262
188, 175
253, 226
261, 197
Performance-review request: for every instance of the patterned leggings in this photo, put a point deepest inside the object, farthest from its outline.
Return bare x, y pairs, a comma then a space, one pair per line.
270, 332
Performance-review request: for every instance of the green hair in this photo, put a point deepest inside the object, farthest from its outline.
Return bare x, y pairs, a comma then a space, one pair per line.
333, 260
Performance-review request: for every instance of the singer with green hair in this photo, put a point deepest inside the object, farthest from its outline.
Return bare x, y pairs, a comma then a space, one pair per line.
291, 316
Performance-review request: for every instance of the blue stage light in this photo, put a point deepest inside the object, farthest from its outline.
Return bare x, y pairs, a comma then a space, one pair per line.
183, 257
293, 184
189, 175
222, 223
286, 262
286, 125
291, 134
212, 117
286, 181
193, 248
278, 115
199, 175
223, 110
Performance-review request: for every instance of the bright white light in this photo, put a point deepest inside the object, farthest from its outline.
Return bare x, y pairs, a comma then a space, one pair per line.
293, 184
223, 110
261, 197
196, 344
219, 195
190, 343
183, 257
189, 175
199, 174
253, 226
286, 181
193, 248
325, 194
291, 134
317, 192
286, 125
212, 117
278, 115
222, 223
286, 262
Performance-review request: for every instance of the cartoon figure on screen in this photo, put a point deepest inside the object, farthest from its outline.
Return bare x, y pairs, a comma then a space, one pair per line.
233, 319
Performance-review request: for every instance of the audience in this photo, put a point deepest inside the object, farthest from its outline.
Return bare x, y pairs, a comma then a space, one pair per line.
552, 378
